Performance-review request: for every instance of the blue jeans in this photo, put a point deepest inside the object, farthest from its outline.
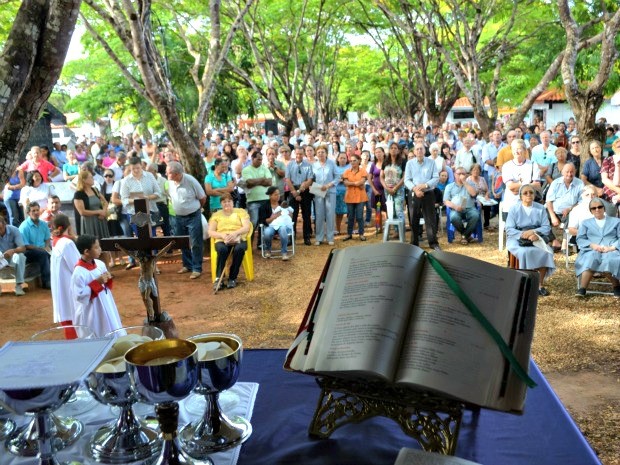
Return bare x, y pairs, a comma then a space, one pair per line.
325, 210
470, 215
355, 212
17, 212
268, 234
253, 211
191, 225
42, 258
368, 204
18, 261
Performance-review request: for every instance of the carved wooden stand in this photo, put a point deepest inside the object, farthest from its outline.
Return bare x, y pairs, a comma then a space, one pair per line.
431, 420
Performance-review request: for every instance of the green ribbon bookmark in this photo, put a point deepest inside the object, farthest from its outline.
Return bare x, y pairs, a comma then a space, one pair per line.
503, 347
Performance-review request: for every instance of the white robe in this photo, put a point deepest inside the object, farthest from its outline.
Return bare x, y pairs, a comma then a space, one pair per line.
99, 312
64, 257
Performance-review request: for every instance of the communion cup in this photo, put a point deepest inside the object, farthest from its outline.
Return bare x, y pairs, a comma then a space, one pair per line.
64, 430
7, 426
126, 439
219, 363
163, 373
40, 402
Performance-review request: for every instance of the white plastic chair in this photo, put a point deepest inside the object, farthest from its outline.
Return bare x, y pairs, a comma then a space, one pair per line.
399, 223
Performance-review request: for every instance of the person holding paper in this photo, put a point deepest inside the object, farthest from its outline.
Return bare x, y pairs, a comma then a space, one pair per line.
325, 180
527, 223
482, 189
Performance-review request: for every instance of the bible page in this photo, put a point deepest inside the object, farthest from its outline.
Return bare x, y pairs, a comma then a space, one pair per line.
365, 309
446, 348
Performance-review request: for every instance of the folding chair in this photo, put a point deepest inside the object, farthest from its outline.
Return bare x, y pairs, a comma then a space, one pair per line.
276, 252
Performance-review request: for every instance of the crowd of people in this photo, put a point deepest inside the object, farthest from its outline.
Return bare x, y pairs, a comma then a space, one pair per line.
261, 183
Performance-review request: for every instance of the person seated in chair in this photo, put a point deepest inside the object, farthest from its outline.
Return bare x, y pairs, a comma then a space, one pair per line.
527, 221
36, 236
229, 228
276, 218
460, 197
563, 195
582, 211
599, 243
12, 250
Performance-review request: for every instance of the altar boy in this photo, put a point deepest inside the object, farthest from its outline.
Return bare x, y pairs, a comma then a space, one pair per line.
91, 287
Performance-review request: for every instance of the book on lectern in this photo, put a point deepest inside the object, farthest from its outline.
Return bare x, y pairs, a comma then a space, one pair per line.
391, 312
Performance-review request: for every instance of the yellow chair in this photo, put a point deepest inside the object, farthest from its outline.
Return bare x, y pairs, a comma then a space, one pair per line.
248, 259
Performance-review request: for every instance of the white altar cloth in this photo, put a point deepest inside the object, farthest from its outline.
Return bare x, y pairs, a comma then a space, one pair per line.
239, 400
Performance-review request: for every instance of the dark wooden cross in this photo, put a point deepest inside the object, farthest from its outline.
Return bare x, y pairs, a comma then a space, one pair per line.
141, 248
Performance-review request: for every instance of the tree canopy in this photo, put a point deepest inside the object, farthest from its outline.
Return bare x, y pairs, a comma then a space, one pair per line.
184, 66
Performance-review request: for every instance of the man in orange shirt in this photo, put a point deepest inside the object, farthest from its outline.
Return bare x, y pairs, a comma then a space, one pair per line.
506, 154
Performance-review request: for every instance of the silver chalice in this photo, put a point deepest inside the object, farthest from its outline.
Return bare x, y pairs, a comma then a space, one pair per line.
39, 402
7, 426
162, 373
64, 430
126, 439
218, 369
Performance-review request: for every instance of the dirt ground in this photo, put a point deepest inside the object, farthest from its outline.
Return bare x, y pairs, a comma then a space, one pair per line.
267, 312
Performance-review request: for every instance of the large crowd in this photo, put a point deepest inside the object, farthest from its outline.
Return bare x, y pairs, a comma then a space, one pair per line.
258, 184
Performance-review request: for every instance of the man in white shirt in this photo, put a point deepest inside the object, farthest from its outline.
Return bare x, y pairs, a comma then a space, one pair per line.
187, 197
465, 158
544, 153
517, 172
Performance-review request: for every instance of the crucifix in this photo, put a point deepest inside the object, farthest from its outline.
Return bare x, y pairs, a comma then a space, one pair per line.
141, 248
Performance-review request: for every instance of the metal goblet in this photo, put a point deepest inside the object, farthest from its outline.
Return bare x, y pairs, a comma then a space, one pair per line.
40, 402
125, 439
64, 430
217, 371
162, 373
7, 426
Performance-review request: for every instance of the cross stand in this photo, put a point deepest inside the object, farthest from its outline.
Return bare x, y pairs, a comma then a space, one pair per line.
141, 248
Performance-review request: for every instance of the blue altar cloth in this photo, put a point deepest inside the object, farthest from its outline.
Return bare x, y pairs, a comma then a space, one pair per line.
544, 435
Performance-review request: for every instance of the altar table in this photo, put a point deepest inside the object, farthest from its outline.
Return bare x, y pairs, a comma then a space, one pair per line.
544, 435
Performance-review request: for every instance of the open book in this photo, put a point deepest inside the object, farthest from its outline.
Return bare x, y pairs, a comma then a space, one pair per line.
382, 311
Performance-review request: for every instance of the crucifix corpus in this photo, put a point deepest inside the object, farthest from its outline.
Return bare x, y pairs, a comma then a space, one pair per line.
141, 248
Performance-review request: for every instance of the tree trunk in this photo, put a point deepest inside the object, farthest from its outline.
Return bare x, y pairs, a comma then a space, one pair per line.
183, 141
586, 102
30, 64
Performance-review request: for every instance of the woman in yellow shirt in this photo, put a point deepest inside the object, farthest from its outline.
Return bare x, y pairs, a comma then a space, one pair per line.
229, 226
355, 197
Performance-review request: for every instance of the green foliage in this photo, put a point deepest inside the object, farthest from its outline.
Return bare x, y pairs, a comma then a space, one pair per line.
8, 11
365, 79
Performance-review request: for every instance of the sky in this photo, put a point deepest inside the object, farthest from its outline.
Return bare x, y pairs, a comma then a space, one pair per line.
75, 47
